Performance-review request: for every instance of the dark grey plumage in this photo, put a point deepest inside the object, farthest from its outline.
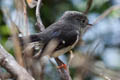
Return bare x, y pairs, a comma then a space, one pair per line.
66, 30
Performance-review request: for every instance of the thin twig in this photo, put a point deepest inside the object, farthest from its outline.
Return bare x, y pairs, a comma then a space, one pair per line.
39, 21
8, 62
93, 47
106, 13
26, 24
89, 4
70, 57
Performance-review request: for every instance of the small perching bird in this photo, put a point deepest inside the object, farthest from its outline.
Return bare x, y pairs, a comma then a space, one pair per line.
66, 31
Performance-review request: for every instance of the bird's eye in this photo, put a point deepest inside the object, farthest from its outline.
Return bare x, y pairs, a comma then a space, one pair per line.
82, 21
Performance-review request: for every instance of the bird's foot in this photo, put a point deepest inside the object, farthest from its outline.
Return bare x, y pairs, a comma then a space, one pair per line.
62, 66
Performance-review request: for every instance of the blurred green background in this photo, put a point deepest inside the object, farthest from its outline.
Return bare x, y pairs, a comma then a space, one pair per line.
106, 31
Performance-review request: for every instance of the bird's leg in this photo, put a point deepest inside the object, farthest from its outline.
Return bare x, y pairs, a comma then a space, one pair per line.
60, 64
70, 57
63, 70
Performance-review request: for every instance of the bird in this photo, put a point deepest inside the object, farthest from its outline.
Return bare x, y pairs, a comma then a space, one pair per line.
67, 31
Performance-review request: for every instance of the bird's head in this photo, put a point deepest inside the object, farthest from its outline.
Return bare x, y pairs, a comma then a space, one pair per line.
76, 18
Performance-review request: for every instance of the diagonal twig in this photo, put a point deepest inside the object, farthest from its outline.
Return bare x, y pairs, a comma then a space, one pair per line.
15, 31
106, 13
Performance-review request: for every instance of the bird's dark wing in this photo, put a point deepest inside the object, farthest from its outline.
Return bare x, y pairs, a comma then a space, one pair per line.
67, 38
64, 38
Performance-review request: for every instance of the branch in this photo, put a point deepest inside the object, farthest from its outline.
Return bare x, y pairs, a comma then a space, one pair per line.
89, 4
39, 21
5, 75
16, 43
8, 62
106, 13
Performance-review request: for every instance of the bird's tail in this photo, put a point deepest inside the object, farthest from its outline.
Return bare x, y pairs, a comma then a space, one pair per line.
30, 38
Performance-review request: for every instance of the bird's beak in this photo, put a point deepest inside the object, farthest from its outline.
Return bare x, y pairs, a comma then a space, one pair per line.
86, 28
89, 25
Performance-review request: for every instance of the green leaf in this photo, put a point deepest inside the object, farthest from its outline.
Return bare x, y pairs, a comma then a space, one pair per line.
4, 30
